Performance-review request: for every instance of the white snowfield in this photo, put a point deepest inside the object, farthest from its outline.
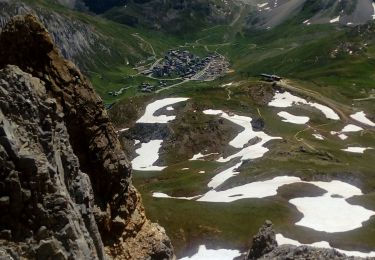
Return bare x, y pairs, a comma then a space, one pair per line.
223, 176
286, 99
258, 189
356, 149
351, 128
200, 156
149, 117
289, 118
281, 240
163, 195
213, 254
247, 152
148, 154
339, 215
361, 117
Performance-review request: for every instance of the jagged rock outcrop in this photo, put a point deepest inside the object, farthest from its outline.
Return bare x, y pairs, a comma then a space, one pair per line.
263, 242
65, 180
264, 246
74, 38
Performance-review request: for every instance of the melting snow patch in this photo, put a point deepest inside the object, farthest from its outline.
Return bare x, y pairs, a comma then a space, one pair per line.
335, 20
148, 154
163, 195
217, 254
223, 176
170, 108
343, 136
318, 136
202, 172
184, 169
361, 117
259, 189
339, 215
286, 99
356, 149
244, 137
149, 117
351, 128
289, 118
200, 156
281, 240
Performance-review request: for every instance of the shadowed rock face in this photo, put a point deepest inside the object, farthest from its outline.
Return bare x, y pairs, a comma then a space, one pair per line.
65, 179
264, 246
263, 242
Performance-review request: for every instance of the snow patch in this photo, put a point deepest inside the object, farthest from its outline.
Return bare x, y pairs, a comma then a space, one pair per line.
244, 137
286, 99
223, 176
318, 136
331, 212
149, 117
361, 117
217, 254
258, 189
163, 195
335, 20
148, 154
356, 149
351, 128
289, 118
200, 156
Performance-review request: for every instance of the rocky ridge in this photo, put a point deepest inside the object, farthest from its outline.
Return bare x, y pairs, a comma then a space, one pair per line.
265, 246
65, 183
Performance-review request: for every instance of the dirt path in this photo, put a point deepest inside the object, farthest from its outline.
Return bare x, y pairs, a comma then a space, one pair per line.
342, 110
338, 108
238, 16
136, 35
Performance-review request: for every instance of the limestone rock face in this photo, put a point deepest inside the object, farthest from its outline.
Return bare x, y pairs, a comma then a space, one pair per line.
264, 246
65, 182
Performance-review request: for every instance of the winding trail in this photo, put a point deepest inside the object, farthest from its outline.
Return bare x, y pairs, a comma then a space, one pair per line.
338, 108
136, 35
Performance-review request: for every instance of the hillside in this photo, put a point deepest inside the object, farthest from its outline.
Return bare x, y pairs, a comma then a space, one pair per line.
215, 147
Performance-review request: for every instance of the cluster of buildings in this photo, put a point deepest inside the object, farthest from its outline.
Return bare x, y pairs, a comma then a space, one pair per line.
146, 88
178, 63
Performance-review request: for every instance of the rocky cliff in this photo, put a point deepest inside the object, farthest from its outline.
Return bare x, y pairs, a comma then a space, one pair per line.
65, 182
264, 246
